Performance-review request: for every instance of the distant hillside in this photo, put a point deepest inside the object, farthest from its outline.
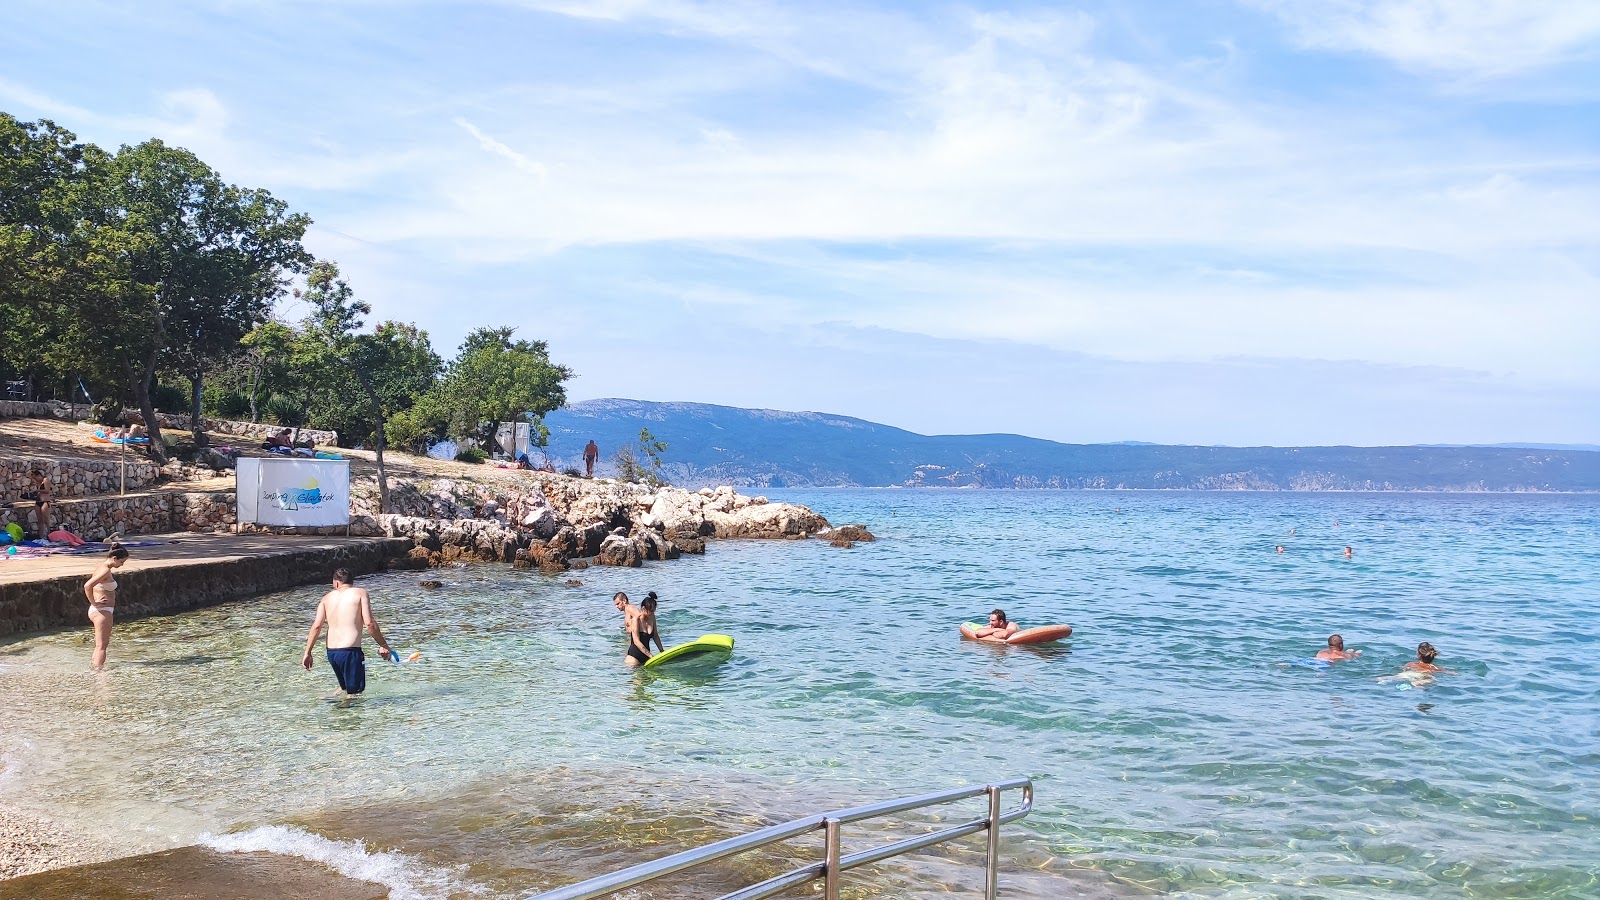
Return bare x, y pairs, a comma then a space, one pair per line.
710, 445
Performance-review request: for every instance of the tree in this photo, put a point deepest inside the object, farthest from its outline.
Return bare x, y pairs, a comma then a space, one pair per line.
391, 366
266, 350
43, 174
641, 462
493, 380
179, 264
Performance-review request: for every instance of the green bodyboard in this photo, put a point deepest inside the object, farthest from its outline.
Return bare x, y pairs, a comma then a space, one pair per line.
705, 643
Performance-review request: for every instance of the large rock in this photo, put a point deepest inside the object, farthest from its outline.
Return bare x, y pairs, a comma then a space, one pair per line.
534, 512
766, 520
620, 550
678, 511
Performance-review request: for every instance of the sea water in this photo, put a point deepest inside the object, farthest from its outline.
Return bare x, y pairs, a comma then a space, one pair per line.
1174, 749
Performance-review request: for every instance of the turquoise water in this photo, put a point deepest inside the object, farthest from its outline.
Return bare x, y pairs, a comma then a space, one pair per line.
1174, 751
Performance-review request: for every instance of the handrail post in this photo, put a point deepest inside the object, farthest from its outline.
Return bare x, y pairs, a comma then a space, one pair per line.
830, 868
991, 867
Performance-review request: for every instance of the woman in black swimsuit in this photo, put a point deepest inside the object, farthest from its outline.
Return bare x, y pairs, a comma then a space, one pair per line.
642, 630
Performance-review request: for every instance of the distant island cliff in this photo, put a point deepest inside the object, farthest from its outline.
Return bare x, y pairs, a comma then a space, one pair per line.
762, 448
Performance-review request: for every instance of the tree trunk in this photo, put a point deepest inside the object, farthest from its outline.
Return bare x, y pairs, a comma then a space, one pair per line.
147, 407
305, 407
255, 385
197, 383
382, 442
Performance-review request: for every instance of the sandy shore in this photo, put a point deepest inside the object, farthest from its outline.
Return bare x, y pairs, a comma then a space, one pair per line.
29, 844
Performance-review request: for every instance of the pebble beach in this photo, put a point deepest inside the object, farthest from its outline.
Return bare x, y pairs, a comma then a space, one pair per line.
29, 845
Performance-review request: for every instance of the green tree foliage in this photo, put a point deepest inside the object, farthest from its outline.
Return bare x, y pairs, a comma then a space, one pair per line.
388, 367
130, 263
141, 270
640, 463
43, 176
492, 380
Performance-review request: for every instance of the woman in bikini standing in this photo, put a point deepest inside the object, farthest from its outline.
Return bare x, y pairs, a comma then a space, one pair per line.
101, 589
642, 630
42, 500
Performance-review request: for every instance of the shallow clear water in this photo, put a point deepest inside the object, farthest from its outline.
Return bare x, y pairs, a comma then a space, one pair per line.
1174, 751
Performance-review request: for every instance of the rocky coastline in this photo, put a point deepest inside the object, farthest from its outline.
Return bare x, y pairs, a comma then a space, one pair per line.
558, 522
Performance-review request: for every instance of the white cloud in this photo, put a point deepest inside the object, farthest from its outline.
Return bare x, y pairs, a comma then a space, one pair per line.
1465, 37
521, 161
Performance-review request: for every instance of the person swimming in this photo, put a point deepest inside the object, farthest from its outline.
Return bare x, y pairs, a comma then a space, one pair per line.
642, 630
1426, 654
1335, 651
998, 629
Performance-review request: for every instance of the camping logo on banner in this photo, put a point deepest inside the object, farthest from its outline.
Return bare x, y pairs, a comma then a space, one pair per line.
291, 498
294, 492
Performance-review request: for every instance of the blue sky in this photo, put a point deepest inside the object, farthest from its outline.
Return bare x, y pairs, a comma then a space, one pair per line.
1220, 221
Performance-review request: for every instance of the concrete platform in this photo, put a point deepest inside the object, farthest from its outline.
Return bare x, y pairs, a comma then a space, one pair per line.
187, 571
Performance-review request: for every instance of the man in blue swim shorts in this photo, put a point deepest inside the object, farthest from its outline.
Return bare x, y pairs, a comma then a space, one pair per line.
346, 610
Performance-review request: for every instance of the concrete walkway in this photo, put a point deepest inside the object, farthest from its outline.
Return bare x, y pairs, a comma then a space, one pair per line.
182, 548
188, 571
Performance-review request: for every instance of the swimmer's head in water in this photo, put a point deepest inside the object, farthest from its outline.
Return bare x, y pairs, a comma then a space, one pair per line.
997, 618
1335, 642
1425, 652
619, 600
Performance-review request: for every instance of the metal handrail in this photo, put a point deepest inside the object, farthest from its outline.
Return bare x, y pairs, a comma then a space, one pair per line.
833, 865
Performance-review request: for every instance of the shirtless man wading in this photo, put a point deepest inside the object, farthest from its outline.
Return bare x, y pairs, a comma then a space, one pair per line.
345, 610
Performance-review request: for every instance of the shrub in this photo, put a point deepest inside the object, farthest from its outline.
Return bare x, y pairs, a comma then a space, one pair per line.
169, 398
107, 412
282, 410
472, 455
225, 403
572, 471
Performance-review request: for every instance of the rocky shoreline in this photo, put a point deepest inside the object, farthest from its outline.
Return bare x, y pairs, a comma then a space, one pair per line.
560, 522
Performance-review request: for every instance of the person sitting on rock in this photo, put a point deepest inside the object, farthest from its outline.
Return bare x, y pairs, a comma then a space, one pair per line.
998, 628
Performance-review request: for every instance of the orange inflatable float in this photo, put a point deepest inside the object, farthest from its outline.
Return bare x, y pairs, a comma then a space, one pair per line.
1042, 634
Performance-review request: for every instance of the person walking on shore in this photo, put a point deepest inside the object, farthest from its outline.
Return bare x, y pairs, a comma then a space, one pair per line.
101, 590
590, 454
346, 610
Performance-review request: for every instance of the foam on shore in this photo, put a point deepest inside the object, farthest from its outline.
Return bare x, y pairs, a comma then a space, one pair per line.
406, 877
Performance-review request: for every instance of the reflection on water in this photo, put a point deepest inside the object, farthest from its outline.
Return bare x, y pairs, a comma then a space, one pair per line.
1173, 751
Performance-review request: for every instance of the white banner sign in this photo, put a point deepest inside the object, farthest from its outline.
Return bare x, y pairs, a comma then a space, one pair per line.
312, 492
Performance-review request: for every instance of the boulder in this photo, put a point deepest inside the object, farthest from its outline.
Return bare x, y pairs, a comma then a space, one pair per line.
848, 533
535, 513
766, 520
619, 550
675, 510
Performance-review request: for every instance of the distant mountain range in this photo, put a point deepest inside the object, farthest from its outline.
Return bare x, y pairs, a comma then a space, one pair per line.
758, 448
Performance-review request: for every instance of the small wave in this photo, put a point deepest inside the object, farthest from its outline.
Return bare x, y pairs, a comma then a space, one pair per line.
406, 878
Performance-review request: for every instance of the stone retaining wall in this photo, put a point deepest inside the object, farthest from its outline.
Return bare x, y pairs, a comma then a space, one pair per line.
177, 422
18, 409
71, 477
153, 513
58, 602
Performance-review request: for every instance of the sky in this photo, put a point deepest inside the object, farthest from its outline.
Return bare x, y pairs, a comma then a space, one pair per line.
1243, 222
